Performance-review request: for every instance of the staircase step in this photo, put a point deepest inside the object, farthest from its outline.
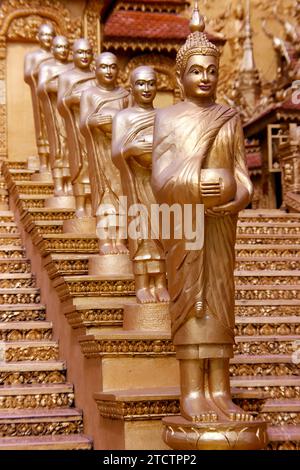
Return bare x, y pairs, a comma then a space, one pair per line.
22, 313
267, 326
66, 264
17, 165
10, 240
284, 437
271, 263
21, 174
263, 365
36, 396
266, 251
56, 442
19, 351
19, 296
40, 422
25, 331
15, 266
268, 216
273, 344
279, 228
8, 227
16, 281
6, 216
32, 201
47, 227
268, 239
39, 372
11, 252
267, 293
49, 214
68, 243
265, 277
260, 308
34, 188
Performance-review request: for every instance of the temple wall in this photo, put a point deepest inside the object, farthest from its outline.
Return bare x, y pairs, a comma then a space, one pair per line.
21, 134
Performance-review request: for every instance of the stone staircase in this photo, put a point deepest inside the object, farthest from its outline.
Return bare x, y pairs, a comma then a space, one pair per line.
36, 401
138, 373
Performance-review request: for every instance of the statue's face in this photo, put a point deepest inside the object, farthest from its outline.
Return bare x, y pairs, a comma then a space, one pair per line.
83, 55
144, 88
46, 36
61, 49
200, 78
107, 70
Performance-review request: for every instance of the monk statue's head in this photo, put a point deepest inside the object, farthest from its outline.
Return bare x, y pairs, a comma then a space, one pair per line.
143, 85
107, 70
82, 54
61, 48
197, 67
46, 35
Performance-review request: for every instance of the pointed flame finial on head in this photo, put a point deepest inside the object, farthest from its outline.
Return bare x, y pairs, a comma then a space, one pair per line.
197, 22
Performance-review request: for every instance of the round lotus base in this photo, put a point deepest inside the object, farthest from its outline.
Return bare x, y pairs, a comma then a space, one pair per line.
180, 434
45, 177
80, 226
147, 317
110, 265
61, 202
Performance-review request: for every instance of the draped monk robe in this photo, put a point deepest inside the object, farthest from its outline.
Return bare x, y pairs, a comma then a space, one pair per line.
104, 178
32, 63
129, 126
48, 76
187, 139
74, 83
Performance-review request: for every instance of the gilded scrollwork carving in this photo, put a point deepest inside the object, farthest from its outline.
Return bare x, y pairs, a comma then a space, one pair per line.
31, 377
31, 353
127, 347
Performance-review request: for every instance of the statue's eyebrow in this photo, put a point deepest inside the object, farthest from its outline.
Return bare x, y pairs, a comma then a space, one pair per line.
201, 67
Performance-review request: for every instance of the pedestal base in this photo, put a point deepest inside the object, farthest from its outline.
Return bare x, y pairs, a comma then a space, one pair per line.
147, 317
42, 177
61, 202
180, 434
84, 225
110, 265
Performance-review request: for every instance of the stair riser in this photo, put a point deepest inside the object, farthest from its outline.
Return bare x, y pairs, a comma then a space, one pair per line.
13, 267
10, 230
51, 401
267, 294
12, 299
254, 329
39, 428
23, 315
284, 445
15, 254
38, 190
33, 353
264, 369
264, 253
62, 215
26, 335
17, 283
275, 346
268, 265
32, 204
267, 280
271, 240
267, 311
275, 231
32, 377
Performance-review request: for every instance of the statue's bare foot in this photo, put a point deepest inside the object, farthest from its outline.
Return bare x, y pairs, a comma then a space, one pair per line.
122, 249
108, 249
232, 411
194, 407
162, 294
144, 296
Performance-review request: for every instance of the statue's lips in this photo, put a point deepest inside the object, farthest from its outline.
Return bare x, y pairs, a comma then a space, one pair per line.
205, 87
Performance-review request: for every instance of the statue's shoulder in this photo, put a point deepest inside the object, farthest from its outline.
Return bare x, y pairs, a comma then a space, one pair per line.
123, 115
168, 113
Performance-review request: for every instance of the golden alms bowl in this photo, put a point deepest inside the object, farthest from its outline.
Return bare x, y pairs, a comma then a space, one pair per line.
214, 180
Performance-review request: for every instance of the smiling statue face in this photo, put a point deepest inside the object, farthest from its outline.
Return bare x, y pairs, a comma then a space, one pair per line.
82, 54
61, 48
107, 69
46, 35
144, 85
200, 78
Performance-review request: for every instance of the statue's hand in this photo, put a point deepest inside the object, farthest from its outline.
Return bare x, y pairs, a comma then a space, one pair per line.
100, 120
230, 208
138, 148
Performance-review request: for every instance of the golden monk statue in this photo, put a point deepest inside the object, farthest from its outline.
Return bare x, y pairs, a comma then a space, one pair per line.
98, 106
198, 158
71, 85
132, 153
32, 63
47, 92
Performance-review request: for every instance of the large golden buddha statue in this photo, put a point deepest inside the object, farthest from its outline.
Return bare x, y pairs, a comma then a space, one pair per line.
132, 154
71, 85
33, 61
98, 106
199, 158
47, 92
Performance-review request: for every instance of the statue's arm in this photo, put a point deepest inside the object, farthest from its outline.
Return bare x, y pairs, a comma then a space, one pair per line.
28, 67
118, 131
